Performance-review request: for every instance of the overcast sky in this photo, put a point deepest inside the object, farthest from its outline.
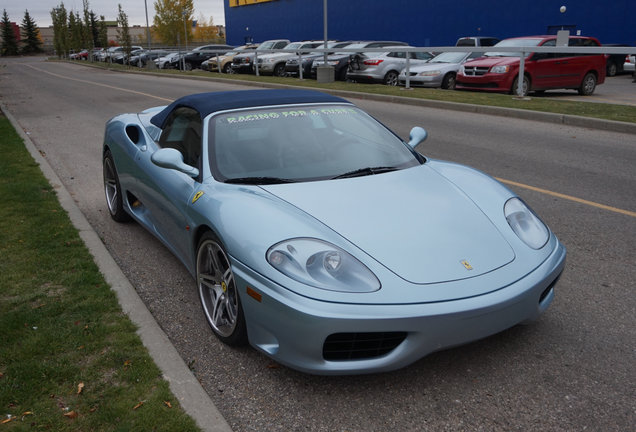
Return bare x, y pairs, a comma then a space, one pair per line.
40, 10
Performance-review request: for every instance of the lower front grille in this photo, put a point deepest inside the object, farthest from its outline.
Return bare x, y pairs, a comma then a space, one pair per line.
478, 85
360, 346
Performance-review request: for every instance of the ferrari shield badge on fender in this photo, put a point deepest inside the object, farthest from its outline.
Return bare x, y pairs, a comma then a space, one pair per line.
197, 196
467, 265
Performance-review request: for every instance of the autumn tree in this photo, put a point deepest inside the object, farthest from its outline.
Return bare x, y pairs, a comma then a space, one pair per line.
9, 41
206, 31
32, 41
173, 20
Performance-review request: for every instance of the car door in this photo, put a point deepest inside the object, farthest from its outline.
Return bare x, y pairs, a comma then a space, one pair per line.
579, 64
545, 68
166, 193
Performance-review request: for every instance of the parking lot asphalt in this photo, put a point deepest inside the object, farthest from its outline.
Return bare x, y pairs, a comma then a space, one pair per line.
183, 383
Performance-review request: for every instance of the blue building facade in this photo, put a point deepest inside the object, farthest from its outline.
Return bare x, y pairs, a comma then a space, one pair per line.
426, 22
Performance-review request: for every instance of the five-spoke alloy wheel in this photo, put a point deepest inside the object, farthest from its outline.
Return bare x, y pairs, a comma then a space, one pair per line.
112, 190
218, 292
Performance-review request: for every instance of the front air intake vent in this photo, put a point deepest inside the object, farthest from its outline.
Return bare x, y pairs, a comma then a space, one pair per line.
360, 346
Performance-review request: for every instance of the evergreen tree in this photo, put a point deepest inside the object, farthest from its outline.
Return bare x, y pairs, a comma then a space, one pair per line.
32, 41
102, 31
95, 30
75, 32
87, 33
123, 33
60, 30
9, 41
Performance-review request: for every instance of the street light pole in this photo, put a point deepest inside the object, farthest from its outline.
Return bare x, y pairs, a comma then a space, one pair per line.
185, 30
147, 25
324, 23
324, 73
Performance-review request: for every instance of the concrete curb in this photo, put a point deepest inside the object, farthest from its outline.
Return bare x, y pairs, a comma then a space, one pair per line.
183, 384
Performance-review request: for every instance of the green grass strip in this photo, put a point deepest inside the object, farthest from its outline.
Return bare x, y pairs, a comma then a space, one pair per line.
70, 359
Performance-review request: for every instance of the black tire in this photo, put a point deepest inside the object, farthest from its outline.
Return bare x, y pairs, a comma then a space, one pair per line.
342, 75
279, 70
612, 69
588, 85
391, 78
227, 69
525, 86
187, 66
218, 292
449, 81
112, 189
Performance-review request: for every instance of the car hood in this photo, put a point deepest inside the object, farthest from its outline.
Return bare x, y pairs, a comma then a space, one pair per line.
414, 222
433, 66
492, 61
275, 55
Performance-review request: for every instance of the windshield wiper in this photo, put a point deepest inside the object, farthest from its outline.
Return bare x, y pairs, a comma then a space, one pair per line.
258, 180
365, 171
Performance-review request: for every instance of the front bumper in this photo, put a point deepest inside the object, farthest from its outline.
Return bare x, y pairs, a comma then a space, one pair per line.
422, 81
488, 82
243, 67
292, 329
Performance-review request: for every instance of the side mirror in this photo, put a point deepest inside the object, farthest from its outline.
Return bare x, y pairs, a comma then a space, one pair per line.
417, 135
172, 159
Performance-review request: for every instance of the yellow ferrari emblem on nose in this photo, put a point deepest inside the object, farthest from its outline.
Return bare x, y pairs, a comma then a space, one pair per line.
467, 265
197, 196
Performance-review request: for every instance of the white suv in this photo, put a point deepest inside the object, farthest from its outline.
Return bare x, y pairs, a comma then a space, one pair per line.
274, 63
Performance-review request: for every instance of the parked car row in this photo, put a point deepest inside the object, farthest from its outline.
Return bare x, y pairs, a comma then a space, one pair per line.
496, 71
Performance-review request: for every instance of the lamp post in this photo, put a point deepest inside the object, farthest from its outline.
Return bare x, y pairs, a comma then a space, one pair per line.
324, 27
147, 25
185, 30
150, 63
324, 73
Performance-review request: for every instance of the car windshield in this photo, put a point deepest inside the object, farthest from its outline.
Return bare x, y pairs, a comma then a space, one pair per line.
302, 143
522, 42
294, 45
266, 45
448, 57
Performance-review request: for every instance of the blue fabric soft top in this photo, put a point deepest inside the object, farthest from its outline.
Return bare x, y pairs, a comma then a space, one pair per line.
207, 103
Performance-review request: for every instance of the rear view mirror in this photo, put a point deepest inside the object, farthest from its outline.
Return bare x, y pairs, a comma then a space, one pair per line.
173, 159
417, 135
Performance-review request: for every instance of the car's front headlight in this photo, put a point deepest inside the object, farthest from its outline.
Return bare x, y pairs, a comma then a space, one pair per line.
500, 69
526, 224
430, 73
321, 265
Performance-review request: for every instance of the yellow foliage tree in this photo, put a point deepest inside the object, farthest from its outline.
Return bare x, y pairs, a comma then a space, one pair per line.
206, 31
173, 20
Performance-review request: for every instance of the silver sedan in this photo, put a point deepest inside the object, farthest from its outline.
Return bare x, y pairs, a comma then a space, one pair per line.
440, 71
383, 67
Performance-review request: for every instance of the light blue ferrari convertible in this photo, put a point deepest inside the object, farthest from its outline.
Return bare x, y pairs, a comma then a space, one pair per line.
320, 237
